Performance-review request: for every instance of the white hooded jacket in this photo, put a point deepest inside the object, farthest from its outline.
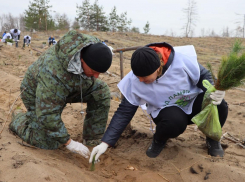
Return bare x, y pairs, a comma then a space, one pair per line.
176, 87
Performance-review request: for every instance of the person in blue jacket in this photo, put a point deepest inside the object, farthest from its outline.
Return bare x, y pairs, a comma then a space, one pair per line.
169, 81
4, 33
51, 40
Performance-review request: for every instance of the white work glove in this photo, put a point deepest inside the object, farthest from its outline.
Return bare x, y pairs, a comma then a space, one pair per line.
78, 148
217, 97
111, 50
98, 150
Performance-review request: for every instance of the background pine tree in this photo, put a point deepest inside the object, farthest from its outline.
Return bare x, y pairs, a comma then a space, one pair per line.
37, 16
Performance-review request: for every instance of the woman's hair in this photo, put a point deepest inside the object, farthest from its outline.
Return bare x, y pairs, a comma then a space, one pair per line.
161, 64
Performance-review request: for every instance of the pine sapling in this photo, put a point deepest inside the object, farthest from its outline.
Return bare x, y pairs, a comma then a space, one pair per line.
92, 167
232, 69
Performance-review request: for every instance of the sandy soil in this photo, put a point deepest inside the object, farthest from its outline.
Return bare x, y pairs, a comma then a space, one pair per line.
184, 158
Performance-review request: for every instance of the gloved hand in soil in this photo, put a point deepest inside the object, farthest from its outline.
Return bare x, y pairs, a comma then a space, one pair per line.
98, 150
78, 148
217, 96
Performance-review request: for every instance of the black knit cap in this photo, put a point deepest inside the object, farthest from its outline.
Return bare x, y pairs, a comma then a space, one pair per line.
98, 57
144, 61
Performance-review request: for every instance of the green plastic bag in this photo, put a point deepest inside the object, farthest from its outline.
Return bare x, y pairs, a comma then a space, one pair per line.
208, 119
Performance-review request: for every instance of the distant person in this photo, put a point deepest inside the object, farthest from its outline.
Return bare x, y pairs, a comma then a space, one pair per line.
27, 40
15, 34
51, 40
4, 33
6, 36
54, 42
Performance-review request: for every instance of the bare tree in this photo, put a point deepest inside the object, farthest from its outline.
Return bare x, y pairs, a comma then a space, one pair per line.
211, 33
241, 25
75, 25
172, 33
191, 17
239, 31
8, 21
203, 32
226, 32
21, 22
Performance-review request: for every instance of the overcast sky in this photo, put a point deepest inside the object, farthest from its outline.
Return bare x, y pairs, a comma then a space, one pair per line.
164, 16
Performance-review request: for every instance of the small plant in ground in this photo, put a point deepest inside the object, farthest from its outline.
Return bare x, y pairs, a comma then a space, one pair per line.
18, 107
44, 42
19, 57
92, 167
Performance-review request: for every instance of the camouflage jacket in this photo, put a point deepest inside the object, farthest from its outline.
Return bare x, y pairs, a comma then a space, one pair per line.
54, 77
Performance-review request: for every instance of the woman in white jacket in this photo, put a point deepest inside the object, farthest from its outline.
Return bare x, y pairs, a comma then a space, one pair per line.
169, 81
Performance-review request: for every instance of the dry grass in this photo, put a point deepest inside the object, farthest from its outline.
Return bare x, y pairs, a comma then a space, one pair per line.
208, 49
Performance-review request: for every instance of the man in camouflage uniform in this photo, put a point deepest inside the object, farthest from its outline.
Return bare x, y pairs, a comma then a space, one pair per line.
65, 74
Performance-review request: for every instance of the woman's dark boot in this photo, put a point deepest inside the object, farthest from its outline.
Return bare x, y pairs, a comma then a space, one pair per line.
214, 147
155, 148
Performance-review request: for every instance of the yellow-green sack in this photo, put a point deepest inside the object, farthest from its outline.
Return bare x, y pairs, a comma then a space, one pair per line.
208, 119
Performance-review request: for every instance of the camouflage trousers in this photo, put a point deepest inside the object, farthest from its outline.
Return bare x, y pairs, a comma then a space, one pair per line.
95, 93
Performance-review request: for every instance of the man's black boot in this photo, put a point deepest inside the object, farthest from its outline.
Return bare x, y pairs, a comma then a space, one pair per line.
214, 147
155, 148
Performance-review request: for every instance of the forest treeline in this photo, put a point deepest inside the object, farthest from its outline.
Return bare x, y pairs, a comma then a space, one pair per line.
40, 16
